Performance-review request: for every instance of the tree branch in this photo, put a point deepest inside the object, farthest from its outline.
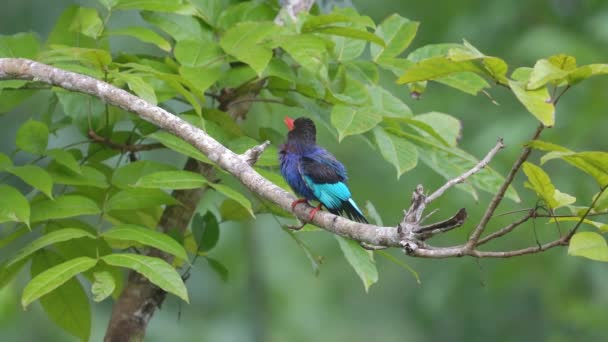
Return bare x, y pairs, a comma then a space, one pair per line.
481, 226
123, 147
478, 167
410, 234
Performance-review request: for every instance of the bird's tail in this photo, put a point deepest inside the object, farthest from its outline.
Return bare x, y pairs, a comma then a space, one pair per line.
350, 208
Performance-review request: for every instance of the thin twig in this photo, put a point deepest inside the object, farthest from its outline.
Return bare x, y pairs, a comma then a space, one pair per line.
478, 167
578, 224
255, 99
508, 228
253, 154
530, 250
525, 153
123, 147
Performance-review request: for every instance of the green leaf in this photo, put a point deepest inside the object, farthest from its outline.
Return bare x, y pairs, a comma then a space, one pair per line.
67, 305
54, 277
351, 33
8, 273
62, 207
231, 210
387, 104
599, 225
467, 82
346, 49
360, 259
338, 15
594, 163
150, 5
20, 45
133, 199
143, 34
179, 146
94, 117
373, 214
209, 10
87, 22
540, 182
446, 126
11, 98
180, 27
537, 102
62, 34
156, 270
437, 67
206, 231
5, 162
147, 237
49, 239
33, 136
35, 176
65, 158
13, 206
308, 50
197, 53
108, 4
245, 42
126, 176
397, 33
103, 286
350, 120
235, 195
202, 77
140, 87
219, 268
543, 73
315, 261
589, 245
88, 176
171, 180
396, 150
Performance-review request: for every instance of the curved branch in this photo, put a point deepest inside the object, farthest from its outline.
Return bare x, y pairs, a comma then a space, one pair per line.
481, 226
409, 235
237, 165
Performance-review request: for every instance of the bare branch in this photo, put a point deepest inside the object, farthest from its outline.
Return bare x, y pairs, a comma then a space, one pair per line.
508, 228
123, 147
252, 155
17, 68
478, 167
530, 250
525, 153
431, 230
409, 235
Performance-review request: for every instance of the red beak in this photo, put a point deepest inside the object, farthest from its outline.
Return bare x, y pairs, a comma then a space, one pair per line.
288, 122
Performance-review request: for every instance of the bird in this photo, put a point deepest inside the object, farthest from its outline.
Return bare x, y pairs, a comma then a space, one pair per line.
315, 174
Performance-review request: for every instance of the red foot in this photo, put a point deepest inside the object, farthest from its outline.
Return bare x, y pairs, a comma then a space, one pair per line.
314, 212
298, 201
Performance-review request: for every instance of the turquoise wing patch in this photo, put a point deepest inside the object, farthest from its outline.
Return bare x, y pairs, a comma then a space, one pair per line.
331, 195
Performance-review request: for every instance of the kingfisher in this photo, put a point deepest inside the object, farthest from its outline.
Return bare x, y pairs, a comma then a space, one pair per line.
315, 174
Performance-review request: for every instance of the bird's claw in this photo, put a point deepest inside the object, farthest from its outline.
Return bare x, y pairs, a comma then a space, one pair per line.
314, 212
298, 201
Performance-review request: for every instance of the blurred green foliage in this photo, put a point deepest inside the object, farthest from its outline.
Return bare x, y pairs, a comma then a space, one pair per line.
271, 293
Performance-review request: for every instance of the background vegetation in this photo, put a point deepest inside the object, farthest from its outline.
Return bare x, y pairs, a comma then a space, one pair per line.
272, 293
